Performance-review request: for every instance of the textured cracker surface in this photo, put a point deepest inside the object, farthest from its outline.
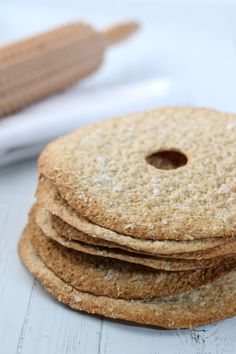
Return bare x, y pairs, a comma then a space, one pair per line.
44, 220
113, 278
49, 198
102, 172
65, 230
208, 304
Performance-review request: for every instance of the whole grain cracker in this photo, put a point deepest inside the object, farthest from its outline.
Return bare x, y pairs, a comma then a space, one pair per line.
44, 220
102, 171
69, 232
49, 198
208, 304
118, 279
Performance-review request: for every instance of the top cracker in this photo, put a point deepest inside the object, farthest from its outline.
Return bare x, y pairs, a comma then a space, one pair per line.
168, 173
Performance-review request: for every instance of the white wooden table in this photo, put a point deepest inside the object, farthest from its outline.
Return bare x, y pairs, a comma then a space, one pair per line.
183, 41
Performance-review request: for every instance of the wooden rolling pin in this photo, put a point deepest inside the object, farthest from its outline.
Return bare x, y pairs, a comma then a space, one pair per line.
45, 64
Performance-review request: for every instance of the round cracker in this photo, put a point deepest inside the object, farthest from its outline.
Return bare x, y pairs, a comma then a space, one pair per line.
113, 278
102, 171
43, 220
226, 249
210, 303
48, 196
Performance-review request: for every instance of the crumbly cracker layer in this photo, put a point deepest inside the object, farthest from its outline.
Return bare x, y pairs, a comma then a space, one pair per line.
210, 303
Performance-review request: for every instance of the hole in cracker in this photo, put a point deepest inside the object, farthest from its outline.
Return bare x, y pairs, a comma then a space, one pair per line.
167, 159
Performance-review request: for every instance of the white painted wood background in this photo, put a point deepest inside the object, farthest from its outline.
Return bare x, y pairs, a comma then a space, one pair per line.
195, 42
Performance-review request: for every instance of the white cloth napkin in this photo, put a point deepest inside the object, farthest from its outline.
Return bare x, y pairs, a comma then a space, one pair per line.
25, 134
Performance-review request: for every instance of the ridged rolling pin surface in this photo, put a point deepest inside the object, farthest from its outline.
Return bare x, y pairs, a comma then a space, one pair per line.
42, 65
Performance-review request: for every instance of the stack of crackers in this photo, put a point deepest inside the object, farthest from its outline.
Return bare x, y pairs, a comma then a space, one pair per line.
135, 218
